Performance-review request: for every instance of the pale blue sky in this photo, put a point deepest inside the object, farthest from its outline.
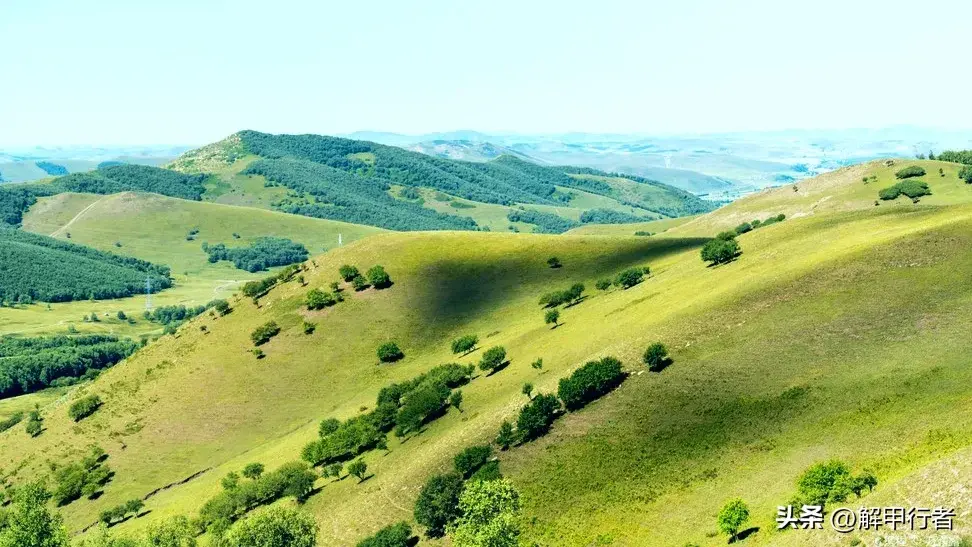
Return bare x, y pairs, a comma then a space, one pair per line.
193, 71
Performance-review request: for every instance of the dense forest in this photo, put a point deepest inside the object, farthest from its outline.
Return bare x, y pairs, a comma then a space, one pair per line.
264, 253
547, 223
35, 267
957, 156
339, 195
52, 169
609, 216
31, 364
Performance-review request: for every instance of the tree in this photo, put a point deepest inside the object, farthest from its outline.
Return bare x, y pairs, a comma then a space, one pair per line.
587, 383
537, 365
121, 316
493, 358
527, 390
35, 423
389, 352
276, 527
490, 515
438, 503
358, 468
629, 278
30, 523
506, 437
471, 459
175, 532
334, 470
348, 272
318, 299
253, 470
602, 284
84, 407
966, 174
455, 400
359, 283
262, 334
554, 262
552, 316
732, 516
396, 535
910, 171
328, 426
743, 228
230, 481
464, 344
536, 417
720, 251
655, 357
378, 277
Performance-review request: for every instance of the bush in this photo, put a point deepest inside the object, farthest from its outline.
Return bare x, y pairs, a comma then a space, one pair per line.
348, 272
910, 171
629, 278
554, 262
911, 188
396, 535
589, 382
264, 333
743, 228
493, 358
309, 327
84, 407
81, 478
537, 416
221, 306
294, 479
35, 424
720, 251
279, 526
11, 421
505, 438
465, 344
490, 471
966, 174
471, 459
422, 403
490, 515
831, 482
656, 356
264, 253
389, 352
732, 516
378, 277
603, 284
552, 316
318, 299
889, 193
437, 505
253, 470
359, 283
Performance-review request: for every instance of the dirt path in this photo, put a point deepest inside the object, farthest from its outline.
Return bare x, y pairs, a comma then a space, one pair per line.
60, 230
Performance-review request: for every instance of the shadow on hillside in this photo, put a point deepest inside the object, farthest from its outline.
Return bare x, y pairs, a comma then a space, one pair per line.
665, 363
501, 366
745, 534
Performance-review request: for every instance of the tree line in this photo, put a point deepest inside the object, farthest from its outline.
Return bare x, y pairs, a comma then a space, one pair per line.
262, 254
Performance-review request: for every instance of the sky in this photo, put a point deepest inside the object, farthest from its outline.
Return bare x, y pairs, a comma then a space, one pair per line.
194, 71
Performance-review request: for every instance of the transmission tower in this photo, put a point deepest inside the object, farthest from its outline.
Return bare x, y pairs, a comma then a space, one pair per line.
148, 293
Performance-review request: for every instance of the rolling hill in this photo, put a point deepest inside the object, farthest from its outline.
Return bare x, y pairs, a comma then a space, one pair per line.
835, 334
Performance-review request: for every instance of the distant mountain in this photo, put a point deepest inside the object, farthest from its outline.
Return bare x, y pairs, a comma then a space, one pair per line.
466, 150
35, 163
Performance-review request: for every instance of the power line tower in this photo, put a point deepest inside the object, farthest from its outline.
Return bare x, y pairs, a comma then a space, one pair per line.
148, 293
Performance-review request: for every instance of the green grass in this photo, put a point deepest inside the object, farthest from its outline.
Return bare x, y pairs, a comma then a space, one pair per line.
653, 226
842, 333
26, 403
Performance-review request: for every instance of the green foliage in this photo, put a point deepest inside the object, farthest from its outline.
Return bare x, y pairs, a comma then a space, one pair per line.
889, 193
120, 512
318, 299
35, 423
276, 527
455, 400
348, 272
437, 504
551, 316
32, 364
142, 178
527, 390
11, 421
602, 284
465, 344
471, 459
389, 352
16, 200
629, 278
351, 438
720, 251
378, 277
490, 471
396, 535
910, 171
589, 382
831, 482
609, 216
911, 188
546, 223
965, 174
84, 477
424, 402
262, 334
506, 437
175, 314
42, 268
358, 468
359, 283
732, 516
30, 523
537, 416
173, 532
743, 228
656, 357
956, 156
294, 479
554, 262
493, 358
569, 296
84, 407
490, 515
262, 254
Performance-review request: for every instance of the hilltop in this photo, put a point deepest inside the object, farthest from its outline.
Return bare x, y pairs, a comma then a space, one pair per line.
834, 334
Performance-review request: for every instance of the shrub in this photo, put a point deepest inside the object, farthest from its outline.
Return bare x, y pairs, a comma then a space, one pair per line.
589, 382
603, 284
84, 407
490, 471
263, 253
537, 416
378, 277
966, 174
348, 272
358, 468
554, 262
81, 478
279, 526
455, 400
831, 482
493, 358
253, 470
359, 283
490, 515
537, 365
318, 299
294, 479
422, 403
35, 424
910, 171
264, 333
732, 516
505, 437
396, 535
743, 228
656, 356
914, 188
309, 327
889, 193
552, 316
471, 459
437, 505
465, 344
389, 352
11, 421
720, 251
629, 278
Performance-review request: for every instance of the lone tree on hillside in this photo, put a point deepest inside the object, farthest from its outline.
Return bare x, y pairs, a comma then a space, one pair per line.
656, 356
732, 516
721, 250
348, 272
537, 365
527, 390
465, 344
629, 278
552, 316
493, 358
358, 468
389, 352
554, 262
379, 278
